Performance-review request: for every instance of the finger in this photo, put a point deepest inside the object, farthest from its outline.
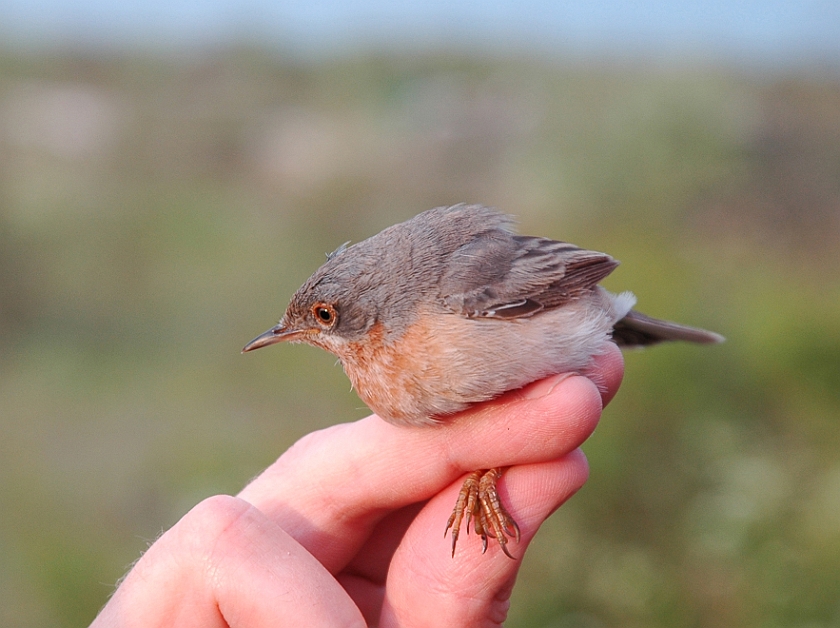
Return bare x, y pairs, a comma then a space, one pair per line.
226, 564
427, 587
333, 486
364, 577
607, 371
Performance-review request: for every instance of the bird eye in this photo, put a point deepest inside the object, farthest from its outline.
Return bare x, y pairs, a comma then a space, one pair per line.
324, 313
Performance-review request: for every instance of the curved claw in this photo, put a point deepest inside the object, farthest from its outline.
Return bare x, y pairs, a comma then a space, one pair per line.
479, 502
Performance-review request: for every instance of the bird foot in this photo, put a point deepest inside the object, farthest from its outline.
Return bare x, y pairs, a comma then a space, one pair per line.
479, 502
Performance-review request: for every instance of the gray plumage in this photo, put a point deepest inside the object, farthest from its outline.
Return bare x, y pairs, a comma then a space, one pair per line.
480, 309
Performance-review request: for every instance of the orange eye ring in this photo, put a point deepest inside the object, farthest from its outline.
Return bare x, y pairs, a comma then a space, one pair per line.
324, 314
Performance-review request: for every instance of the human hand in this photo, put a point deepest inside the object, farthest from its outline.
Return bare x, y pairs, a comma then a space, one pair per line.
346, 527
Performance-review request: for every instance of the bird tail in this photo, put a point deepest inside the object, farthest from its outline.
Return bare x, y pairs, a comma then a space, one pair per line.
638, 330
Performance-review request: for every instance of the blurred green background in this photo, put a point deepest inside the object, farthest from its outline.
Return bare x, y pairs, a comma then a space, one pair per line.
158, 210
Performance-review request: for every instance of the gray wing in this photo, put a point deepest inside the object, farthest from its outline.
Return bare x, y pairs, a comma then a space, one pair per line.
507, 276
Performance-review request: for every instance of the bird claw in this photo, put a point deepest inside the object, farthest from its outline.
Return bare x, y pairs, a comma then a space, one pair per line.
479, 502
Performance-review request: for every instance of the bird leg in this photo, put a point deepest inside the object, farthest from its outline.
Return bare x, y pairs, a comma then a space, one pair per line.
479, 501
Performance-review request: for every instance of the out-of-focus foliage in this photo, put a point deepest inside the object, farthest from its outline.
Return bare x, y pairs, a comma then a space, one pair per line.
157, 213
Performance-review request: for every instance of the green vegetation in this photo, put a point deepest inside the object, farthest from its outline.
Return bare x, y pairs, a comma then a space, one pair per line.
157, 213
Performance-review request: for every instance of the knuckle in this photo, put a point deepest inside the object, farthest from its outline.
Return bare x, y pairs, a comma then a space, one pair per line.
211, 517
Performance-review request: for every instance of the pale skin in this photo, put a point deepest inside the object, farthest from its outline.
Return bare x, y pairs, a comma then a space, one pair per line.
346, 527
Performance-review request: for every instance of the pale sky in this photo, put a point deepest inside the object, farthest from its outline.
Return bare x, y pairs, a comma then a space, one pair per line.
772, 31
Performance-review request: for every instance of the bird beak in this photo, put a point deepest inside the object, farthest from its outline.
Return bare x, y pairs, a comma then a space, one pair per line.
278, 333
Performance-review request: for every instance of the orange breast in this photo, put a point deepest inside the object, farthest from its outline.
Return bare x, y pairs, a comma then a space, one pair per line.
405, 379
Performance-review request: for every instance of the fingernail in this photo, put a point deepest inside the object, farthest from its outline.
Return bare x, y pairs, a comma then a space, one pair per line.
544, 387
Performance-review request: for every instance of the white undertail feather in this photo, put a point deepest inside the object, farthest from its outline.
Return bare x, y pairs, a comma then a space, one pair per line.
623, 303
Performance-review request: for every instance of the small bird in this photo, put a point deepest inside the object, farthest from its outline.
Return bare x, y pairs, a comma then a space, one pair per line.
451, 308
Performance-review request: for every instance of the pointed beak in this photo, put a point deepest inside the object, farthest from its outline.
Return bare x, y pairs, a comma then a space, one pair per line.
278, 333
